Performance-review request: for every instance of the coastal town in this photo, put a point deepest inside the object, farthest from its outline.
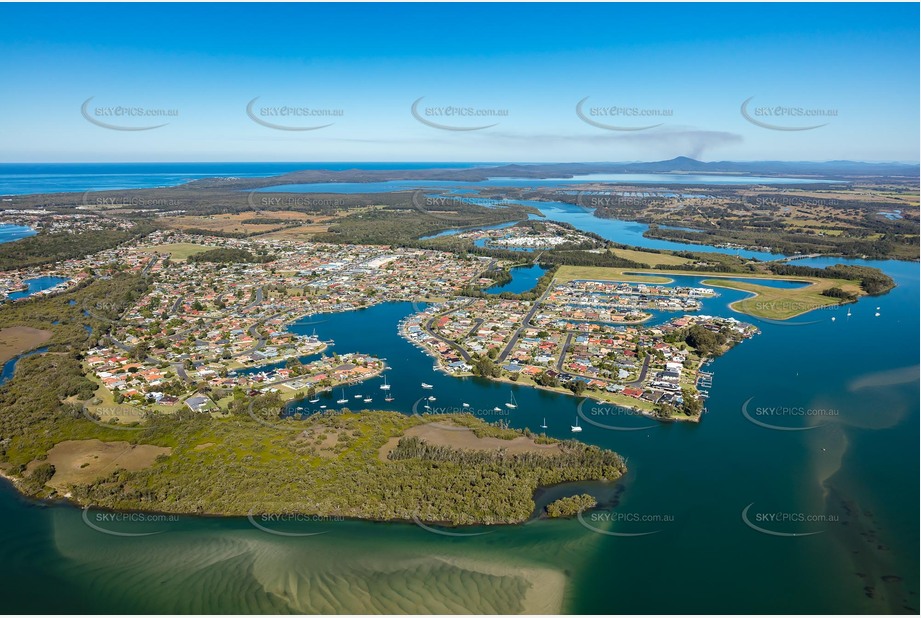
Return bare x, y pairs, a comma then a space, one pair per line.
583, 337
205, 329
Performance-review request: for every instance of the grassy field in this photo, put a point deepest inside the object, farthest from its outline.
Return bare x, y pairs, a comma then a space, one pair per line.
781, 303
650, 259
243, 222
177, 251
767, 302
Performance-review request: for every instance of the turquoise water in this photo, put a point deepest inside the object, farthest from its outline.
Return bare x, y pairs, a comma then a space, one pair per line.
859, 464
37, 285
9, 232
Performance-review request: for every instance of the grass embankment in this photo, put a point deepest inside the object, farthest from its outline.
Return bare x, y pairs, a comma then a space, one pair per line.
767, 302
649, 258
784, 303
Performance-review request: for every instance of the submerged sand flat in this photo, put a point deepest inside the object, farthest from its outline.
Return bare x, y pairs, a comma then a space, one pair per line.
352, 569
84, 461
18, 339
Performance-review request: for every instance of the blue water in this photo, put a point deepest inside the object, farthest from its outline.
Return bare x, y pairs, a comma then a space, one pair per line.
37, 285
524, 183
25, 178
10, 232
775, 283
9, 367
524, 278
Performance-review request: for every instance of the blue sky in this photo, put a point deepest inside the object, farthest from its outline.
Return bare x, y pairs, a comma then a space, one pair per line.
854, 67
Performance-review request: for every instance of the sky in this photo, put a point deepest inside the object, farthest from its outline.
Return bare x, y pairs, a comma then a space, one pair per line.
490, 82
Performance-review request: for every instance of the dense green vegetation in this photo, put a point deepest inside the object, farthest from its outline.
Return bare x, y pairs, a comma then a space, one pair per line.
47, 248
571, 505
873, 281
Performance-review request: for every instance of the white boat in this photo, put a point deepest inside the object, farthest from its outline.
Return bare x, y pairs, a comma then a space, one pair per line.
432, 398
344, 399
385, 386
322, 407
314, 400
367, 400
544, 424
389, 397
575, 428
497, 409
424, 385
877, 314
848, 313
427, 407
466, 405
511, 403
359, 396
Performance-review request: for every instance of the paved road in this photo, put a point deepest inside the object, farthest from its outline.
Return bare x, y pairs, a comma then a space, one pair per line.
257, 300
526, 323
427, 327
639, 381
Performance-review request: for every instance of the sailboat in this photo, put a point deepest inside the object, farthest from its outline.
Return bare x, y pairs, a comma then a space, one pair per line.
344, 399
544, 424
389, 397
367, 400
466, 405
385, 386
511, 402
424, 385
575, 428
848, 313
314, 399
